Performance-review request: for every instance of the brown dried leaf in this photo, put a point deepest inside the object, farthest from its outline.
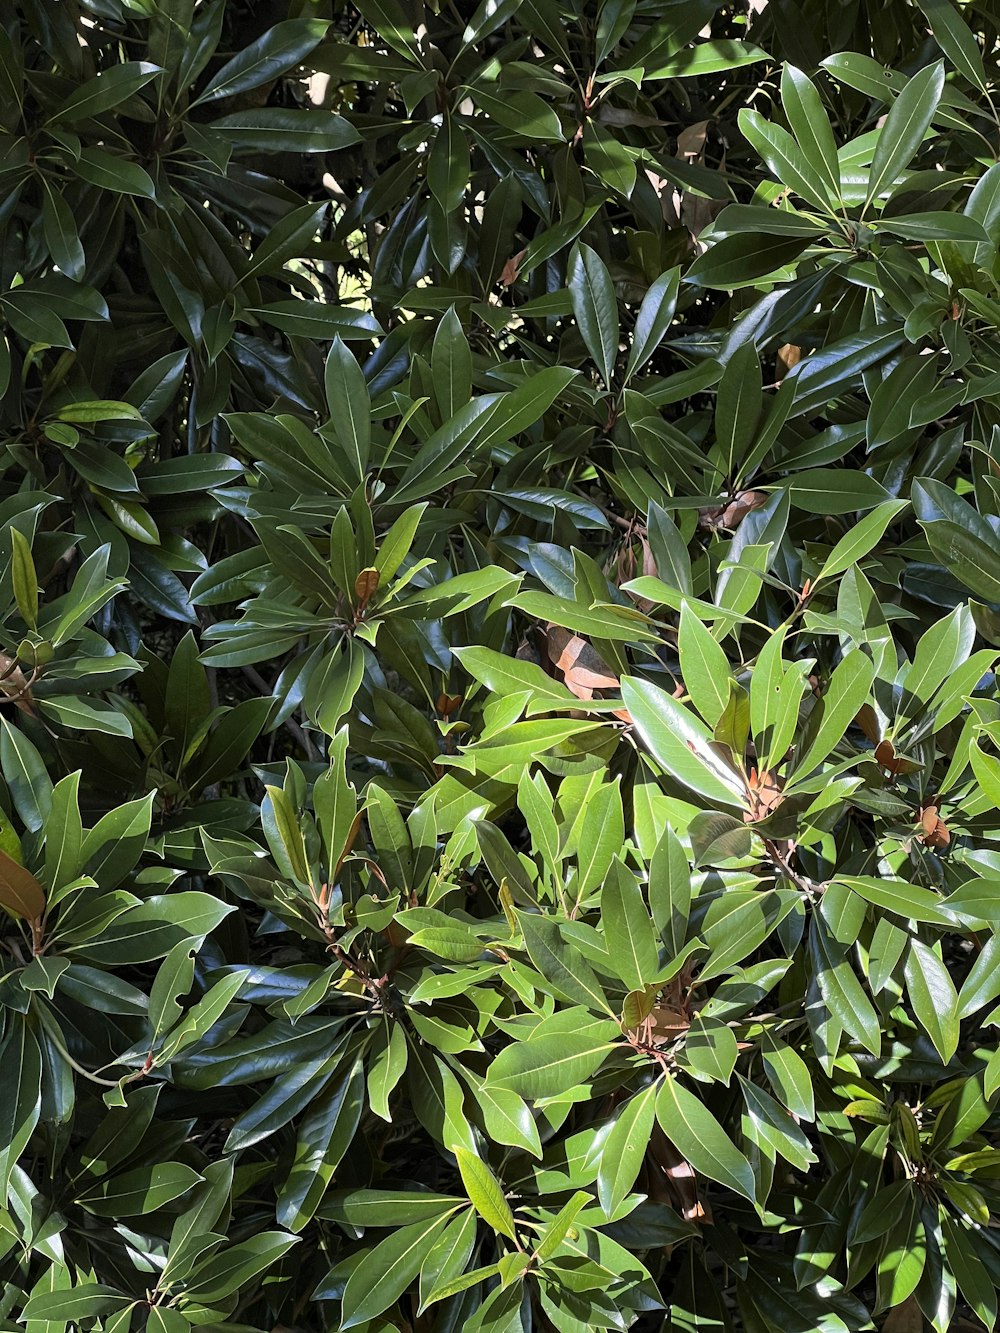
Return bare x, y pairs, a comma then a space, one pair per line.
886, 756
511, 270
528, 652
936, 833
691, 141
15, 687
20, 893
680, 1178
351, 839
788, 356
733, 514
764, 795
905, 1318
670, 200
667, 1021
648, 561
582, 667
868, 722
366, 584
697, 212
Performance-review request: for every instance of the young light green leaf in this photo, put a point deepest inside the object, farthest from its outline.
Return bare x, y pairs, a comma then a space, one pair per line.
485, 1192
23, 577
704, 666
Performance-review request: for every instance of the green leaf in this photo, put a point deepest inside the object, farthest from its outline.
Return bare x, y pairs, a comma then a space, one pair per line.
387, 1269
20, 1095
290, 237
772, 1129
386, 1069
507, 1119
961, 539
142, 1190
625, 1149
448, 165
842, 699
628, 931
325, 1134
63, 834
653, 320
558, 1229
835, 491
670, 890
110, 171
449, 1256
905, 900
113, 846
717, 838
860, 539
618, 623
956, 39
709, 57
974, 1280
281, 48
842, 991
704, 666
738, 406
507, 675
903, 131
150, 930
679, 743
61, 235
525, 113
933, 997
982, 986
227, 1270
315, 319
560, 964
105, 90
87, 1300
26, 584
739, 261
284, 834
26, 776
786, 160
548, 1066
350, 407
188, 698
811, 127
700, 1139
934, 226
284, 130
789, 1077
594, 308
485, 1192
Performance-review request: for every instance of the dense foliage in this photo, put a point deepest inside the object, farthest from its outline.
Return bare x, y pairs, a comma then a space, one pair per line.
500, 539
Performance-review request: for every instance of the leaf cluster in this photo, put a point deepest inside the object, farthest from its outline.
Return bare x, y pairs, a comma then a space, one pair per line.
499, 610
